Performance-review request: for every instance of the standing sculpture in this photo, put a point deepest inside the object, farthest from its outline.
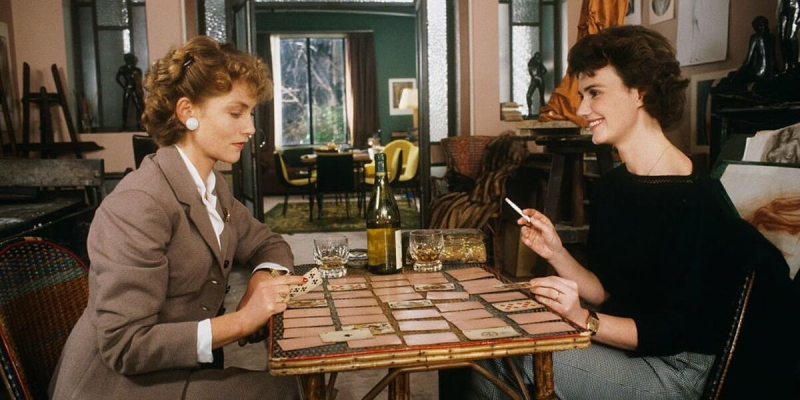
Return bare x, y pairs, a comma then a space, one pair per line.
760, 63
129, 76
788, 22
537, 71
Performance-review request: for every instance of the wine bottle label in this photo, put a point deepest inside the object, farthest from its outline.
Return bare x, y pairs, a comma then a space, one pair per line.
381, 248
398, 244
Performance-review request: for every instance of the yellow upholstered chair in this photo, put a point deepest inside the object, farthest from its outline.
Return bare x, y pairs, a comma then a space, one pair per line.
302, 184
408, 181
405, 145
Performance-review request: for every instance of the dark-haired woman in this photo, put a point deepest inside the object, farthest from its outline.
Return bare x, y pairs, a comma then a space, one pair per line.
163, 243
656, 291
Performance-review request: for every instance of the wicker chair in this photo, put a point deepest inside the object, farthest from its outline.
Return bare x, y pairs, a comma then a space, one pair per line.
43, 292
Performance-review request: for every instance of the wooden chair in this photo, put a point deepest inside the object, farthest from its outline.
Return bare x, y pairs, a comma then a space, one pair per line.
719, 370
142, 146
335, 174
43, 292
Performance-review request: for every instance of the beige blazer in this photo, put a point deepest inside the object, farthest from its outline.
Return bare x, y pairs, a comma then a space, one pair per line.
156, 271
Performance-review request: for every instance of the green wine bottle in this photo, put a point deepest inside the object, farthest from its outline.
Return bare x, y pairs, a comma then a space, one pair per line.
383, 224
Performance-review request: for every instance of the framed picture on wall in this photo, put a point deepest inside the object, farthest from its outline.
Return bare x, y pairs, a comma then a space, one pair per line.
700, 108
396, 87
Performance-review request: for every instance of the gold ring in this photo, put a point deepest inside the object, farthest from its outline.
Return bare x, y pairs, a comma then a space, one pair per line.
283, 295
558, 294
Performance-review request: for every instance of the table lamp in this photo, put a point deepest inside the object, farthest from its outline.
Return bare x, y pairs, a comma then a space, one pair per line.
408, 101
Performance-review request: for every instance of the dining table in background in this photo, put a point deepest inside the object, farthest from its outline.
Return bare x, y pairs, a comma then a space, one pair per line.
311, 364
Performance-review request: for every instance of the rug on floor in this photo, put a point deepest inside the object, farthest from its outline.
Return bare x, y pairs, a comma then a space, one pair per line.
334, 218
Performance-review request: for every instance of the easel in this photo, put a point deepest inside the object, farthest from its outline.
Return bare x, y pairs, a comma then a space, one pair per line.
12, 142
47, 147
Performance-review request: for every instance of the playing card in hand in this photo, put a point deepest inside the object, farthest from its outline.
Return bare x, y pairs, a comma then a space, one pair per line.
313, 279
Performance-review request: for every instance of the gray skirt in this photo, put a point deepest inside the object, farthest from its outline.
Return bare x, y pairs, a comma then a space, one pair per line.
602, 372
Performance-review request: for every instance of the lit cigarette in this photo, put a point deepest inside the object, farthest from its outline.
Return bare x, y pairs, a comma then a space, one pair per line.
514, 206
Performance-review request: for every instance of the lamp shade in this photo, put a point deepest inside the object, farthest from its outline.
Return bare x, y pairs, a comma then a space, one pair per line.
408, 99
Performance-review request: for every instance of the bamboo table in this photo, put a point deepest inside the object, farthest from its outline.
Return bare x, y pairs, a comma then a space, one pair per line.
313, 363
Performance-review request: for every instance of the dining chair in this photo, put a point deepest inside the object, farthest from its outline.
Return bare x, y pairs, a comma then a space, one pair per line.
43, 292
408, 181
300, 184
394, 164
335, 174
389, 149
142, 146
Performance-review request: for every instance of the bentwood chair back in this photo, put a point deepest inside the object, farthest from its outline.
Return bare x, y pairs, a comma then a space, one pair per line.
43, 292
719, 370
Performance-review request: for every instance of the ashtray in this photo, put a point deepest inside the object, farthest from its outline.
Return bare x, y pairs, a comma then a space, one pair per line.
358, 258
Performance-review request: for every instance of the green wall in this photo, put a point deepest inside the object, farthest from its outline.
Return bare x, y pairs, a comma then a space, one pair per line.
395, 47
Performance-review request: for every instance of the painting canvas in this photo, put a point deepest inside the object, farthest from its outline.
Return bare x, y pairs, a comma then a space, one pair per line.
700, 108
5, 74
768, 196
776, 146
634, 14
702, 35
396, 87
661, 10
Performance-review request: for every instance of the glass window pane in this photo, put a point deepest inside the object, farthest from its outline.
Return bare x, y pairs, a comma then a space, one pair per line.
139, 32
327, 85
548, 48
437, 69
215, 19
294, 91
88, 65
112, 13
525, 11
525, 42
112, 59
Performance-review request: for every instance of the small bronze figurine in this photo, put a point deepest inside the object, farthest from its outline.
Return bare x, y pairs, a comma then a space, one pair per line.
537, 71
129, 76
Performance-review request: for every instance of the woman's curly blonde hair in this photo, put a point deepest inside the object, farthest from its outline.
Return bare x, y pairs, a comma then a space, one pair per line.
203, 68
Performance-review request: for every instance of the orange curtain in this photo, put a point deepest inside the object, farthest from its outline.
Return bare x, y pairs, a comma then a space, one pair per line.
596, 15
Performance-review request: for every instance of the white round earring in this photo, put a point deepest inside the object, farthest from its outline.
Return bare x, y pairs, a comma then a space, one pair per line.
192, 123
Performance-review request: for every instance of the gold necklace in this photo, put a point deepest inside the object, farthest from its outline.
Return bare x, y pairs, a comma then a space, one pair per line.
659, 158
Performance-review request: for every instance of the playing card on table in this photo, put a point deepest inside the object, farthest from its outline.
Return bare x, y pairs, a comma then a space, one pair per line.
466, 314
306, 312
351, 294
490, 333
424, 325
307, 303
423, 339
482, 323
515, 285
460, 306
342, 281
400, 297
415, 314
313, 279
347, 286
507, 296
363, 319
393, 290
377, 328
383, 340
447, 295
547, 327
306, 331
397, 305
467, 274
307, 321
534, 317
427, 287
394, 283
301, 343
517, 305
343, 336
346, 312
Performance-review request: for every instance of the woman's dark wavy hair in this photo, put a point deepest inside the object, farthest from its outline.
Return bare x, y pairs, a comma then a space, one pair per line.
201, 69
644, 59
